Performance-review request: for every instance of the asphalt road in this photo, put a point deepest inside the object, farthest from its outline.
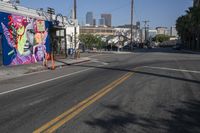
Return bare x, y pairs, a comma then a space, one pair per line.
149, 91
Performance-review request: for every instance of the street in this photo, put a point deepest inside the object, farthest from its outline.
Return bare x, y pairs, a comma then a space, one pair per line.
147, 91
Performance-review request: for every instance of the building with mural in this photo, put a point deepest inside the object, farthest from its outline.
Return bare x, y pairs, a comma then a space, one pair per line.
27, 35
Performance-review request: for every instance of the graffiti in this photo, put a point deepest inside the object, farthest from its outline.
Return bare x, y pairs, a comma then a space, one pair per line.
26, 38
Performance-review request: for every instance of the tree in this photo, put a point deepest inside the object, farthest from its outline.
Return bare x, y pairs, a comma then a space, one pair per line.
188, 27
161, 38
91, 41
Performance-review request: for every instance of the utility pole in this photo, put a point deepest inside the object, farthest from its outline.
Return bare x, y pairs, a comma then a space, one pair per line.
145, 27
132, 5
75, 17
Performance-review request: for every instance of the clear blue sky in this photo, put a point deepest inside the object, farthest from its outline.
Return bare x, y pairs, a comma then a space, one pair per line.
159, 12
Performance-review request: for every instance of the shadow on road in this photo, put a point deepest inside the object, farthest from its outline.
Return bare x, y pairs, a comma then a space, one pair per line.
140, 72
184, 119
162, 50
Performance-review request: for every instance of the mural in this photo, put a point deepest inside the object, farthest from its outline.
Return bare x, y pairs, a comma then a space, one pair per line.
26, 40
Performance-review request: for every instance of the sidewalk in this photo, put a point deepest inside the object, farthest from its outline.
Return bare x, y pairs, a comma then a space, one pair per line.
8, 72
190, 51
69, 61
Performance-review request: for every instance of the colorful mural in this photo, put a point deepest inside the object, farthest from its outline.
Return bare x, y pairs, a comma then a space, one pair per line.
25, 39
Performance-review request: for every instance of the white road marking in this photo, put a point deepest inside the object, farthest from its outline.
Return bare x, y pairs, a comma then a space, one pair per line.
37, 101
45, 81
172, 69
97, 61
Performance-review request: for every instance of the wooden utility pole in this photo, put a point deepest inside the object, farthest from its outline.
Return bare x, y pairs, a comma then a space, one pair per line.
75, 17
132, 5
145, 26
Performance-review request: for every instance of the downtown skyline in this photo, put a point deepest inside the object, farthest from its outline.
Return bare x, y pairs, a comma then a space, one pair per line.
159, 12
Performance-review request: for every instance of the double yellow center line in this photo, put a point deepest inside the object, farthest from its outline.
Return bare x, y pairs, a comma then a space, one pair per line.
60, 120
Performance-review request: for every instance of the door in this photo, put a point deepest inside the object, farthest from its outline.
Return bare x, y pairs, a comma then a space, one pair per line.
59, 43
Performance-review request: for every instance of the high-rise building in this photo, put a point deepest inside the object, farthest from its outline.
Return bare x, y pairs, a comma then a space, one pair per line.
101, 22
108, 19
196, 3
89, 18
94, 22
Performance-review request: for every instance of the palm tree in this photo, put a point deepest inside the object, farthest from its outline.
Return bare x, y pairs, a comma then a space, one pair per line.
188, 27
196, 25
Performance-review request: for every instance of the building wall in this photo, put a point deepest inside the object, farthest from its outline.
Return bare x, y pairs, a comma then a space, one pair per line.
71, 38
108, 19
152, 33
173, 31
162, 30
25, 39
101, 22
97, 30
89, 18
20, 10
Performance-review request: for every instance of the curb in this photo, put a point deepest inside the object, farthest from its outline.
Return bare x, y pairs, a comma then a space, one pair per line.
68, 64
191, 52
112, 52
78, 62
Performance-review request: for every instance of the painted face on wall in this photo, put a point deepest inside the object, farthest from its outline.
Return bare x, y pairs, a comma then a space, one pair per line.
40, 52
26, 37
20, 30
40, 55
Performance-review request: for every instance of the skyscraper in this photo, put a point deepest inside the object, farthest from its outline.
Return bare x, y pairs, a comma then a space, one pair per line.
94, 22
108, 19
101, 22
89, 18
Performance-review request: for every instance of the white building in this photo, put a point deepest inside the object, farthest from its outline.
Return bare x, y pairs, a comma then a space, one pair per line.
67, 24
152, 34
127, 32
173, 31
162, 30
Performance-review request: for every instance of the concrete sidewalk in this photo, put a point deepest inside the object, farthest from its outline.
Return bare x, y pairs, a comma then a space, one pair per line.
69, 61
190, 51
9, 72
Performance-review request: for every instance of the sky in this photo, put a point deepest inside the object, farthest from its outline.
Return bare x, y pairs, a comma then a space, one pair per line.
158, 12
